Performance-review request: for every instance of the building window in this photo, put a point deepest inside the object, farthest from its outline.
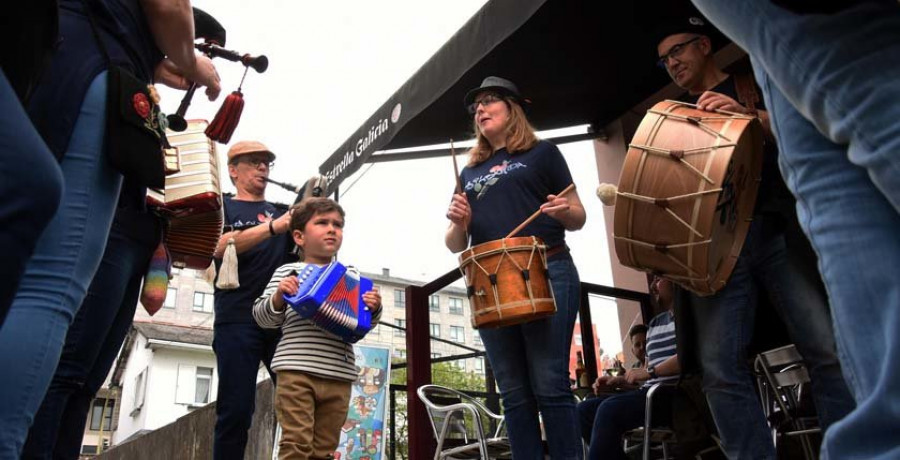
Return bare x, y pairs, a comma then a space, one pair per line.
194, 385
456, 306
203, 302
477, 339
399, 298
459, 364
400, 332
578, 340
479, 365
171, 297
435, 330
435, 355
203, 385
434, 303
457, 334
400, 353
90, 450
102, 409
140, 383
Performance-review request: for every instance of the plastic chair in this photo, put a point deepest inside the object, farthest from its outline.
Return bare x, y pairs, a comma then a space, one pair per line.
783, 380
458, 422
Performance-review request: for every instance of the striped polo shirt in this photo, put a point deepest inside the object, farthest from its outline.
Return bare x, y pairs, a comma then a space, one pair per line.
661, 343
303, 346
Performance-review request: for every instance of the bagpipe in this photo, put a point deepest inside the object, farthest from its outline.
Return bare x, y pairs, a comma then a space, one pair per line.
224, 123
314, 187
331, 297
192, 200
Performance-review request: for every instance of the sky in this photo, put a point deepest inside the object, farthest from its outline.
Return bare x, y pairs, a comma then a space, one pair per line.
331, 65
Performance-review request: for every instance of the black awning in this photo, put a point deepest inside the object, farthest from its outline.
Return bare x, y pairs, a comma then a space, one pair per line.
579, 61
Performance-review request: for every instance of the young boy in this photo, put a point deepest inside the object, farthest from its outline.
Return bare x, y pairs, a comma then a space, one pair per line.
314, 368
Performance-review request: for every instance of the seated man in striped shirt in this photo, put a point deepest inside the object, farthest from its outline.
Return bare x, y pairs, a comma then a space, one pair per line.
315, 368
622, 412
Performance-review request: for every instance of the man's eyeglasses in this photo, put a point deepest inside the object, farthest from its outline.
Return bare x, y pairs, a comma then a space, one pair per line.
486, 100
256, 161
674, 52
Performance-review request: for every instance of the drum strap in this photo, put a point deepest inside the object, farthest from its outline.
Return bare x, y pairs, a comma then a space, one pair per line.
745, 86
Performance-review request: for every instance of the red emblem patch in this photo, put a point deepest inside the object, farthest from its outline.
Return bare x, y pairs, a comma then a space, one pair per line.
141, 104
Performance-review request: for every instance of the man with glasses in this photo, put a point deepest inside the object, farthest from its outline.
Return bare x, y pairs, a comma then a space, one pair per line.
776, 265
260, 234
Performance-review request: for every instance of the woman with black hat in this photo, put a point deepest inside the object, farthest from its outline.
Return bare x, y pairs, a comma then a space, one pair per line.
510, 174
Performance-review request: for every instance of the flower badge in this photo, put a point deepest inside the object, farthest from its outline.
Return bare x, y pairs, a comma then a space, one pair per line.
141, 104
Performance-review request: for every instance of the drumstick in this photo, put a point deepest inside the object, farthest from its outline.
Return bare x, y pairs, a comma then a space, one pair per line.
537, 213
458, 181
455, 168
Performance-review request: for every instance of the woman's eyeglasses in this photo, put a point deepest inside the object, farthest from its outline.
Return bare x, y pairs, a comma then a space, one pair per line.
674, 52
486, 100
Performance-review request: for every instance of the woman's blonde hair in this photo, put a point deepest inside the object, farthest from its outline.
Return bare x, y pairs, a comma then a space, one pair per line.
519, 135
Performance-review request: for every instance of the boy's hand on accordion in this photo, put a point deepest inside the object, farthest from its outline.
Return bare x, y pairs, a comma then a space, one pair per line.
288, 285
373, 300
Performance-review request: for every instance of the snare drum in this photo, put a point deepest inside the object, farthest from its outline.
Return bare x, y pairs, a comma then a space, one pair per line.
507, 282
686, 194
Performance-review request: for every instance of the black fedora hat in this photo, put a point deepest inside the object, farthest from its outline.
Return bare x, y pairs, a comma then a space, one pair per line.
498, 85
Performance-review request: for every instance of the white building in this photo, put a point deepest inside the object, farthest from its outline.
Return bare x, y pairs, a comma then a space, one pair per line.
165, 371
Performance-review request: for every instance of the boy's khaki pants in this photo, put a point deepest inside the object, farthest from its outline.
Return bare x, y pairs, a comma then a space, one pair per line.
311, 411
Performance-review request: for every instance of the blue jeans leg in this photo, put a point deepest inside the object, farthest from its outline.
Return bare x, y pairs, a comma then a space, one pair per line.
531, 364
620, 413
57, 276
841, 77
724, 325
788, 274
853, 228
92, 342
31, 187
587, 410
239, 347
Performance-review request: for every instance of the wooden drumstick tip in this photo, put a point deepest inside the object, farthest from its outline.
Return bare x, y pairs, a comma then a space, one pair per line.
607, 193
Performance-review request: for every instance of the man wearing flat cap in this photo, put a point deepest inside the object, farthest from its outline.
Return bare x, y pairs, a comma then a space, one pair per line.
259, 232
776, 265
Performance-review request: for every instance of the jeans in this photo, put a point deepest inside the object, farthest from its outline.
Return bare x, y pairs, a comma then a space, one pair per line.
239, 349
531, 365
587, 412
30, 187
91, 347
614, 415
724, 324
832, 83
57, 276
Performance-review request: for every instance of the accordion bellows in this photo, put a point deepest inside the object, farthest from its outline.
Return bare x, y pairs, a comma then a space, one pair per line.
330, 297
192, 199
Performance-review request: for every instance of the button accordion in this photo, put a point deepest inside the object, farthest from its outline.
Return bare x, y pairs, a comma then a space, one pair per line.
331, 298
192, 200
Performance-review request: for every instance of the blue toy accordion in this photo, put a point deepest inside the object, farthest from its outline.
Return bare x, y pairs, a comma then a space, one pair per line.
331, 297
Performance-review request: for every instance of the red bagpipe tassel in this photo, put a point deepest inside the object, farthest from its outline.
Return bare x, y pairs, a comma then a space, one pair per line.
227, 118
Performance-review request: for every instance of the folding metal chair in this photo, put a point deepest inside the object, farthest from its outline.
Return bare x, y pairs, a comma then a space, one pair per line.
783, 379
458, 422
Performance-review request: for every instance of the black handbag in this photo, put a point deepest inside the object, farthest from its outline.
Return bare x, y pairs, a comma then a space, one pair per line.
135, 127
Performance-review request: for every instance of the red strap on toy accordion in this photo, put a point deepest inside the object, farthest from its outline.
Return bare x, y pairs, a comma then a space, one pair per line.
331, 297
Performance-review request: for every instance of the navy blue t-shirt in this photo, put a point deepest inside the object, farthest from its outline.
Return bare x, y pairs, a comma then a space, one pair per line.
506, 189
255, 266
773, 196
